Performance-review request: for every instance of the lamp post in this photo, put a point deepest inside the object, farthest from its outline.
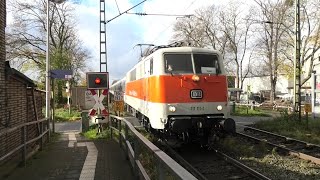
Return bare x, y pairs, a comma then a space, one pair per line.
48, 79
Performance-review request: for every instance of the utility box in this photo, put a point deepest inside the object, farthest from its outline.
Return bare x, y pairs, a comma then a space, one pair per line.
85, 121
232, 107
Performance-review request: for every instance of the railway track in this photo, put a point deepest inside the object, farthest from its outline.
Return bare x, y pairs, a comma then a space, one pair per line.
204, 164
300, 149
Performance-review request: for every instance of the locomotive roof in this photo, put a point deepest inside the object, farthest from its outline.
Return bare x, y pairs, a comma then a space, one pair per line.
118, 82
186, 49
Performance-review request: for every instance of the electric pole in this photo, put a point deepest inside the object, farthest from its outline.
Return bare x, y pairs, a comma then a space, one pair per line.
297, 62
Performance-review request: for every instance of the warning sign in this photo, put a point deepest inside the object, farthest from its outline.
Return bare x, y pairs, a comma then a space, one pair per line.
307, 108
98, 103
89, 101
118, 106
118, 96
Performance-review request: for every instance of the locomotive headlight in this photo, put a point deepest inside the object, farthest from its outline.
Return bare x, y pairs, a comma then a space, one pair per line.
172, 109
195, 78
219, 108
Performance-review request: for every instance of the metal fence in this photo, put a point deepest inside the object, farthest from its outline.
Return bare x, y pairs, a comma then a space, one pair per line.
147, 160
43, 125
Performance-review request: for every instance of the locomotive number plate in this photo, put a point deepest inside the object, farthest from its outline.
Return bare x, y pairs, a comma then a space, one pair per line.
196, 94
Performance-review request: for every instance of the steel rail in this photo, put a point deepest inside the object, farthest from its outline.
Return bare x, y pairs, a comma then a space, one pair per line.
242, 166
227, 158
185, 163
290, 151
307, 144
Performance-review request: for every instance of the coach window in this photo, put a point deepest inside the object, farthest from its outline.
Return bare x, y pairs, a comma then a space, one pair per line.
133, 75
178, 63
151, 66
206, 64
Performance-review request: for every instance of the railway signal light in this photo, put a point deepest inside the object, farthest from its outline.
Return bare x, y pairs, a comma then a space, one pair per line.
97, 80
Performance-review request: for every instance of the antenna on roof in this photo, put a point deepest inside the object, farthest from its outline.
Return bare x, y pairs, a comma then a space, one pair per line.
174, 44
141, 54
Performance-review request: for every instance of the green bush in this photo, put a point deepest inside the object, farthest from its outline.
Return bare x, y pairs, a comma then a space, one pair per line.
62, 115
247, 111
93, 133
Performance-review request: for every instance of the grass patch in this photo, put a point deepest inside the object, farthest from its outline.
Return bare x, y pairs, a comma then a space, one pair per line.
147, 135
62, 115
247, 111
93, 133
289, 126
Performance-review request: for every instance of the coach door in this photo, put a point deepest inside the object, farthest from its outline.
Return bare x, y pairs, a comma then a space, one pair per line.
146, 85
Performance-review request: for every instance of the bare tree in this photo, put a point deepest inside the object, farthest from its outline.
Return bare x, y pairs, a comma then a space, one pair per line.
273, 16
225, 28
235, 26
26, 37
310, 36
201, 30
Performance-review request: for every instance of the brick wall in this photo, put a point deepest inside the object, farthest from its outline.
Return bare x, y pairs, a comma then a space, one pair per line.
21, 110
3, 115
16, 112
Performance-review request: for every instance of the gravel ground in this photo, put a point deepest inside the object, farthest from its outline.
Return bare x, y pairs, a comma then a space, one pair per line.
277, 166
284, 167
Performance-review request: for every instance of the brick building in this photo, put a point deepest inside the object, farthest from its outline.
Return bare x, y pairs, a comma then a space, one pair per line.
20, 102
23, 103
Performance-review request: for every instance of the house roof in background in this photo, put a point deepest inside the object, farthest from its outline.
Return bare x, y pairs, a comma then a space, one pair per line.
18, 75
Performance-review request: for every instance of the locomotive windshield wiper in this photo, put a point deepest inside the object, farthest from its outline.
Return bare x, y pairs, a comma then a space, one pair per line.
170, 69
216, 66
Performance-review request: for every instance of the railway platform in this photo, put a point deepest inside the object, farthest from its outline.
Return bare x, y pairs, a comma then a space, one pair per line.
69, 156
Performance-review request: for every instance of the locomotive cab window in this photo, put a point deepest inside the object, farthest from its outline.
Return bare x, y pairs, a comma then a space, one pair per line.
206, 64
178, 63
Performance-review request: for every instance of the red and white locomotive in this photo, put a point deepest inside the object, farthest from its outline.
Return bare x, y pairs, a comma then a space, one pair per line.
179, 92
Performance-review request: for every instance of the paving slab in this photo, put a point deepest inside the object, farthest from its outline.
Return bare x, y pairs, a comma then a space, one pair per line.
97, 160
63, 127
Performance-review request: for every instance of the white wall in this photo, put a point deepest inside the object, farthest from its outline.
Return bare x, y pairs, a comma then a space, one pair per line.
263, 83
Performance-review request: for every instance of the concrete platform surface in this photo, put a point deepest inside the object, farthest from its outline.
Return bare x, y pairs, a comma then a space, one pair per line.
67, 158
